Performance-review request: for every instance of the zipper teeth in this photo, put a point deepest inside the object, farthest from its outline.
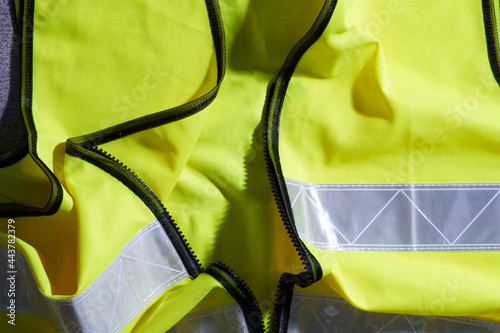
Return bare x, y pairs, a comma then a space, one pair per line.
105, 154
277, 183
490, 24
242, 284
276, 320
244, 289
279, 303
183, 239
273, 179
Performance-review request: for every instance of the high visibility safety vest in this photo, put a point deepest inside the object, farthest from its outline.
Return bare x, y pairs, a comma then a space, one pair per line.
254, 166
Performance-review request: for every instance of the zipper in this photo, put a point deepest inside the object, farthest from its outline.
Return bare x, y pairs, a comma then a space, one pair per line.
131, 180
241, 292
186, 253
283, 302
271, 141
490, 27
274, 105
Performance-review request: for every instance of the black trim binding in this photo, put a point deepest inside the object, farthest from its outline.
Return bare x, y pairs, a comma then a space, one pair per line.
109, 164
18, 6
177, 113
240, 291
283, 302
11, 209
271, 141
87, 143
274, 107
85, 147
490, 27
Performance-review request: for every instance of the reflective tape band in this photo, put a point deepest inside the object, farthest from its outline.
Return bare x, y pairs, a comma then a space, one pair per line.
146, 266
322, 313
397, 217
227, 318
27, 296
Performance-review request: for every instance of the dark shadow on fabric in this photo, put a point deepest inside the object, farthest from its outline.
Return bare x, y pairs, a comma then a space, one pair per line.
239, 221
12, 130
268, 33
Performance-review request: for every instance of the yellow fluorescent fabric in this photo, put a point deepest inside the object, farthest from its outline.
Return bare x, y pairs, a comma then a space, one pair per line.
407, 96
394, 91
26, 323
109, 69
24, 182
73, 253
212, 178
182, 300
143, 59
398, 92
433, 283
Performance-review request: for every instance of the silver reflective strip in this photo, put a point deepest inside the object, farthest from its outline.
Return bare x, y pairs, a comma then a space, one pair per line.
322, 313
28, 298
223, 319
397, 217
146, 266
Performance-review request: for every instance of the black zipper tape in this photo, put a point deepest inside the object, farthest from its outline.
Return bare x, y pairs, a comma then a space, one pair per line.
277, 91
120, 171
490, 27
271, 140
240, 291
283, 302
